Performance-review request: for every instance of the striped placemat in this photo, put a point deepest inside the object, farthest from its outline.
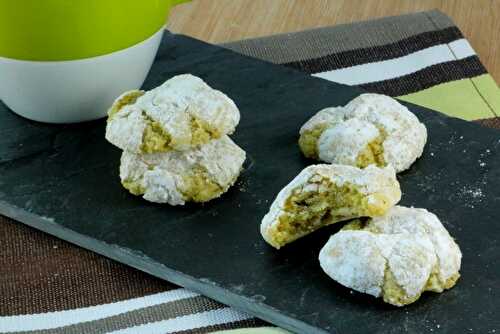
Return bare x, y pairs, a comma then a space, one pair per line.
421, 58
50, 286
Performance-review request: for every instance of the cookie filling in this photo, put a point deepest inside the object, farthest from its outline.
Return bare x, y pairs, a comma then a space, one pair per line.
308, 141
154, 138
134, 186
307, 211
127, 99
199, 186
202, 133
393, 293
373, 154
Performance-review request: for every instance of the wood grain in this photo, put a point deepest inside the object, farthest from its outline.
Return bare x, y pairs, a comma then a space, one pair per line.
219, 21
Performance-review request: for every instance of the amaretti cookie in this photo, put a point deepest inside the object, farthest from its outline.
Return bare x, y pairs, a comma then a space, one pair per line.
371, 129
176, 177
325, 194
181, 114
396, 256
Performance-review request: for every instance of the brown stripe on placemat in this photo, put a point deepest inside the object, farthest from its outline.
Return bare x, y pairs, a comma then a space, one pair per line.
428, 77
41, 273
378, 53
248, 323
490, 122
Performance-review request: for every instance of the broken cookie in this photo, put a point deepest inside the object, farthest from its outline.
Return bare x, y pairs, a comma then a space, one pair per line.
181, 114
176, 177
325, 194
396, 256
371, 129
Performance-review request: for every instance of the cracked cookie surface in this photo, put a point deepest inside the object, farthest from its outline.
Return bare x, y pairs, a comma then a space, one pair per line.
181, 114
325, 194
396, 256
370, 129
176, 177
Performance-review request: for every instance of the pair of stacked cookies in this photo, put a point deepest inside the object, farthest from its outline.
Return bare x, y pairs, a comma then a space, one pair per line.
385, 250
175, 141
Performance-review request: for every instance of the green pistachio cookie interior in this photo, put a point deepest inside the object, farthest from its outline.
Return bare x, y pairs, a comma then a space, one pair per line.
325, 194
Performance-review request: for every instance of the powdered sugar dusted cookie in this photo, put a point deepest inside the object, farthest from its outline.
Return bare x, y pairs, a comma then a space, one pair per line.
182, 113
315, 126
353, 142
175, 177
385, 132
325, 194
396, 256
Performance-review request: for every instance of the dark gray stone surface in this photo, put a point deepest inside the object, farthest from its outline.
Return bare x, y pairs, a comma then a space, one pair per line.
64, 180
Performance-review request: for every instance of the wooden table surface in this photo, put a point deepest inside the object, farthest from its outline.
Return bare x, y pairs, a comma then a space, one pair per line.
219, 21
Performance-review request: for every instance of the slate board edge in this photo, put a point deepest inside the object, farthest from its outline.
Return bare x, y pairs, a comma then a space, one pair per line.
143, 263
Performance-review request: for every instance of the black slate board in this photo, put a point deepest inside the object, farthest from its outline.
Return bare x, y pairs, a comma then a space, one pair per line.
64, 180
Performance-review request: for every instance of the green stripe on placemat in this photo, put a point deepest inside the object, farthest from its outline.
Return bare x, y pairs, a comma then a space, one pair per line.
489, 91
477, 97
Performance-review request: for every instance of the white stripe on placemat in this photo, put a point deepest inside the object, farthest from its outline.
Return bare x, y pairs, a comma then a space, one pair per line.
461, 48
397, 67
51, 320
192, 321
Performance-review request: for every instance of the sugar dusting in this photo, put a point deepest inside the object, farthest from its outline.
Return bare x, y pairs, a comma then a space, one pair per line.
471, 195
475, 193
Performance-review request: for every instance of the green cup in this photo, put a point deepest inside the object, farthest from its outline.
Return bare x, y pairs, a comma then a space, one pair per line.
66, 60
